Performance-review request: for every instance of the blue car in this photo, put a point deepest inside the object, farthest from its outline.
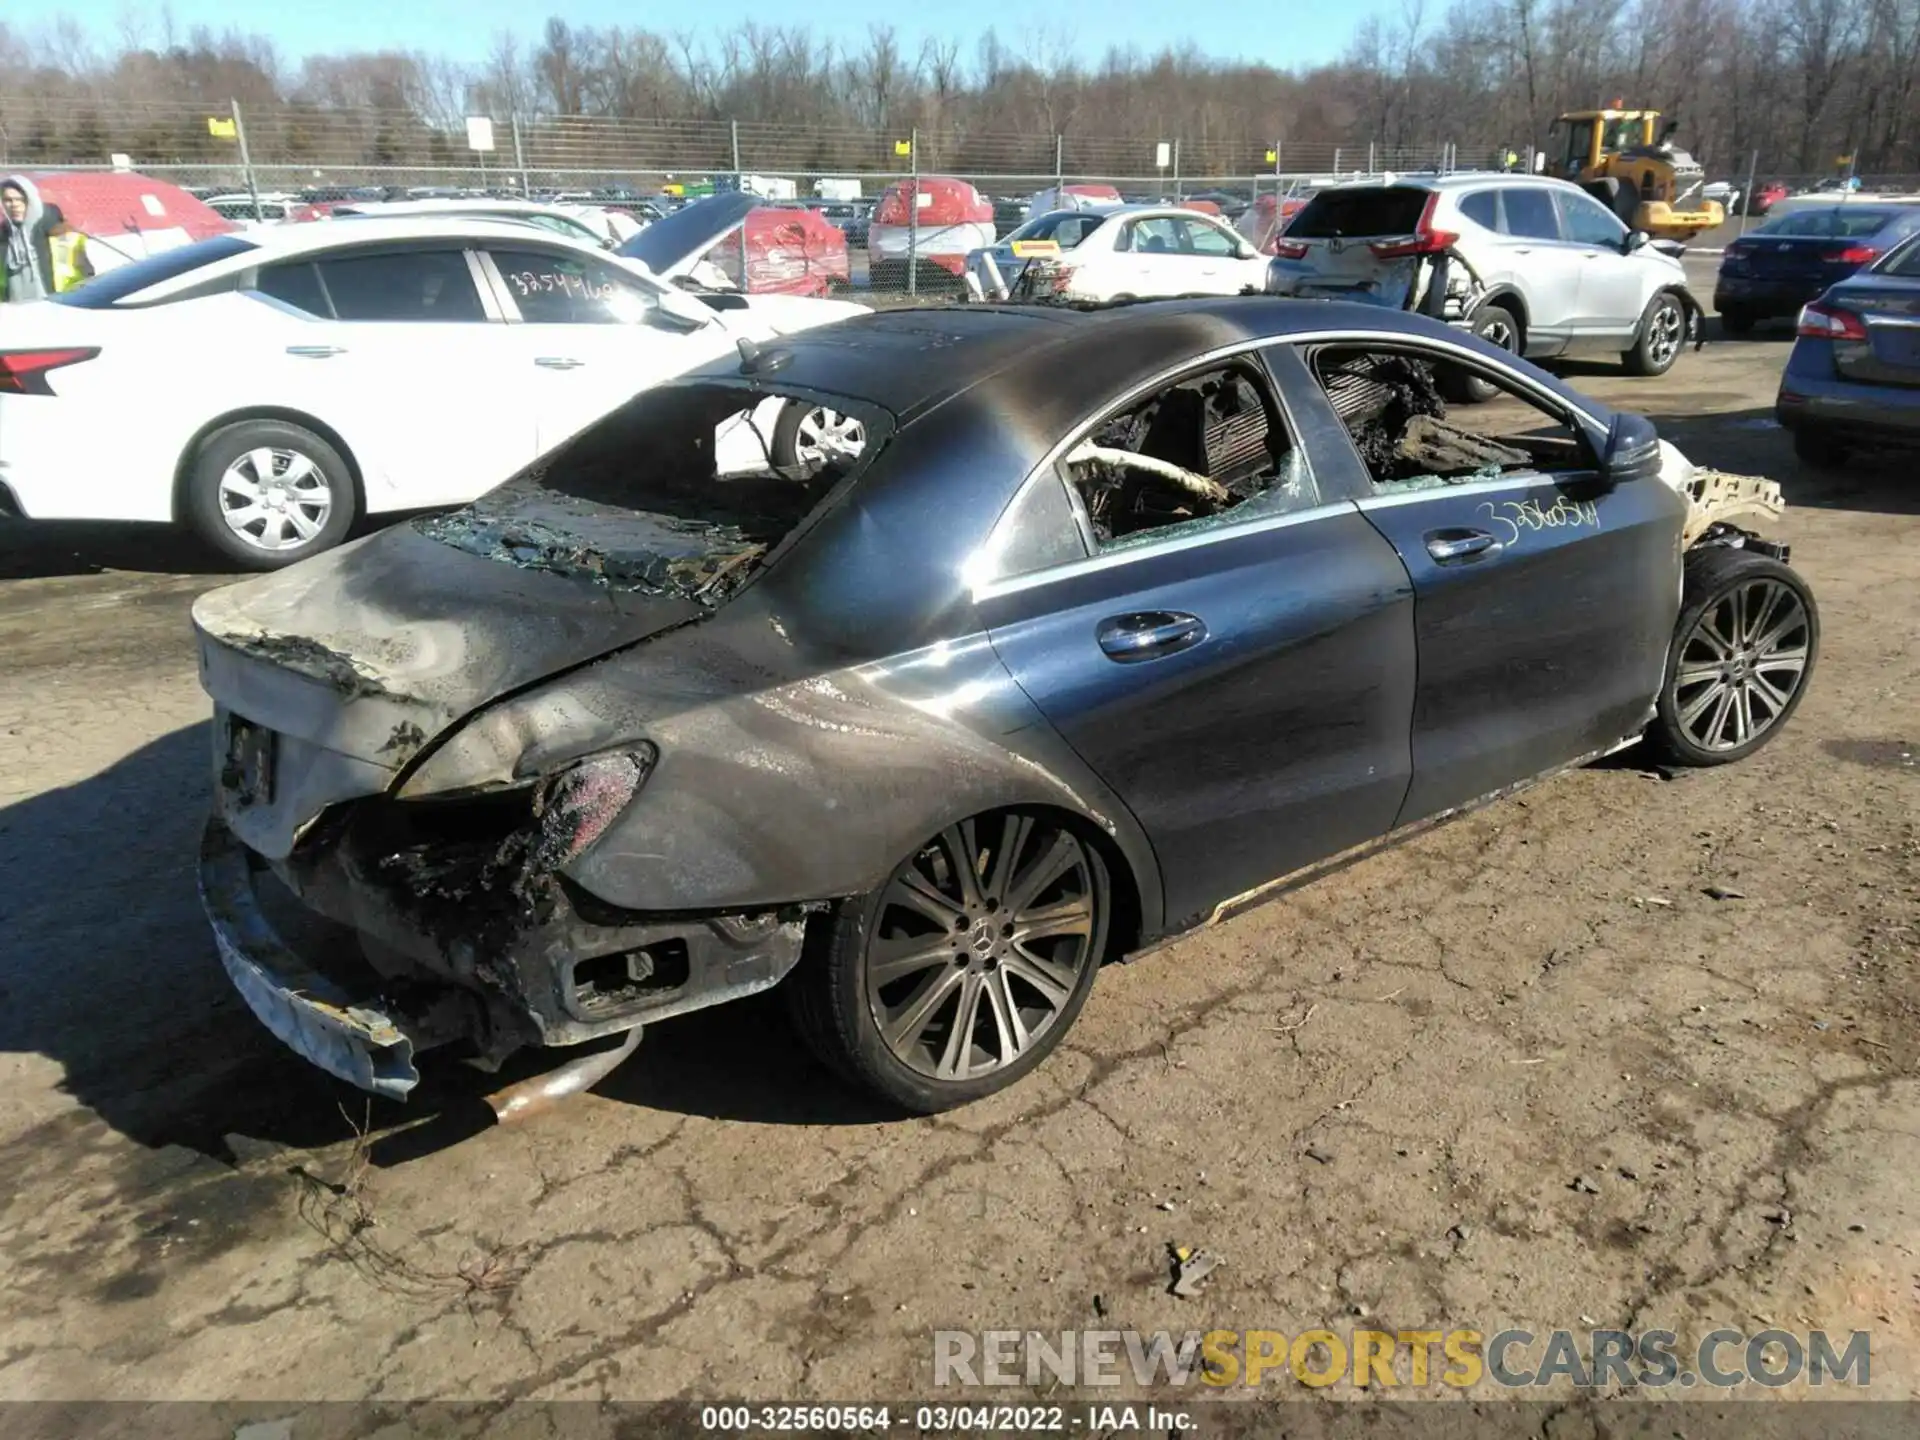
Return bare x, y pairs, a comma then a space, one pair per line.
1854, 374
1791, 259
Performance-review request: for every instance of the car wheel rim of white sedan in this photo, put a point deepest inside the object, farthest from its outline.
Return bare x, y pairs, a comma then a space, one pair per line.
275, 499
825, 435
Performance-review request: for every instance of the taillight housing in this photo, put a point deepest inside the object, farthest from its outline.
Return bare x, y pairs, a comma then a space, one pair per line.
1289, 249
24, 372
1425, 240
1829, 322
1852, 255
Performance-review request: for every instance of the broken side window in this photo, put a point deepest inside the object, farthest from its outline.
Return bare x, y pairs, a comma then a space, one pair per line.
647, 500
1408, 437
1210, 449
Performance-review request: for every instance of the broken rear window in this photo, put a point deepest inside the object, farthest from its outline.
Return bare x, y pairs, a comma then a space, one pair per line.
1388, 210
675, 493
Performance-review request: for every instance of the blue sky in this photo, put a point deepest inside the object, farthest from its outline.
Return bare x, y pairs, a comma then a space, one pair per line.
1286, 35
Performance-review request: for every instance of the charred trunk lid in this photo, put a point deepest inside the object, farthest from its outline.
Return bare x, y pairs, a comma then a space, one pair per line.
373, 650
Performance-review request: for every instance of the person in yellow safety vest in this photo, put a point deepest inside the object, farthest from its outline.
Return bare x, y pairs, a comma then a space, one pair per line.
40, 254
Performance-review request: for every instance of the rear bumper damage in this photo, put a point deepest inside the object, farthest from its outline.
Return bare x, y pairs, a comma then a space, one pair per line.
438, 944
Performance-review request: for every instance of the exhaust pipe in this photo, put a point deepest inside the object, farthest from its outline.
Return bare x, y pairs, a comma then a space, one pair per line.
541, 1093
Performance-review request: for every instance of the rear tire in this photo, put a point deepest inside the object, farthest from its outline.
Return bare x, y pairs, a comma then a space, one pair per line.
880, 993
1660, 338
1744, 649
1821, 449
265, 494
1496, 325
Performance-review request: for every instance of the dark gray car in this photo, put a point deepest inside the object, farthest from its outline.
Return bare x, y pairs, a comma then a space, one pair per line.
1111, 626
1853, 378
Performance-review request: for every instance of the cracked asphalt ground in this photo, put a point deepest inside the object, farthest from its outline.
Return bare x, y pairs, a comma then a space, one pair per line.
1521, 1071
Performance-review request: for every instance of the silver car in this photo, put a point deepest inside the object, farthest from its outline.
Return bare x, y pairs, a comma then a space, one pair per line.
1535, 265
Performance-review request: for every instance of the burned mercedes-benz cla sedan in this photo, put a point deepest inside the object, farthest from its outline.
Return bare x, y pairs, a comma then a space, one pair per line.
1063, 634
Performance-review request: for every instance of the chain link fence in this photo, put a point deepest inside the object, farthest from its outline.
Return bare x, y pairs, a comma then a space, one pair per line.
292, 152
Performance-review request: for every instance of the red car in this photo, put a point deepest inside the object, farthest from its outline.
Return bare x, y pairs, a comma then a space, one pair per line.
1765, 197
790, 250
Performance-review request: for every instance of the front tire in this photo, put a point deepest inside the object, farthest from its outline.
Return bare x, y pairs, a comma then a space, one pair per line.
1660, 338
265, 494
962, 972
1743, 652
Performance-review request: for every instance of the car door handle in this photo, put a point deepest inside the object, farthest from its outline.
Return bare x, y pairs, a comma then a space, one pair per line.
1149, 634
1451, 546
1523, 249
559, 362
316, 352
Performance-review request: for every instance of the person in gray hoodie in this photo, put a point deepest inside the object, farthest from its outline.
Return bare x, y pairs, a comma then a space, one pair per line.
40, 254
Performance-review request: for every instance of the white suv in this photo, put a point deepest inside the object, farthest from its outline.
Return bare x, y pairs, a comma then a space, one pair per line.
1534, 265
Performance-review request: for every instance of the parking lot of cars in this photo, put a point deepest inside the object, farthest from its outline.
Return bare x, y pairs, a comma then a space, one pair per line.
1638, 1044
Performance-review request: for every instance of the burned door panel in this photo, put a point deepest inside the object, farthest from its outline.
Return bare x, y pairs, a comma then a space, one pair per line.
1545, 598
1276, 739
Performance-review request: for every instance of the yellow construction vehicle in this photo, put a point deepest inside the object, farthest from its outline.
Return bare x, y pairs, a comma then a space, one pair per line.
1624, 159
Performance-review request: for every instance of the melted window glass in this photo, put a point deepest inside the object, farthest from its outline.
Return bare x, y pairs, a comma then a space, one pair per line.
674, 493
1208, 451
1396, 413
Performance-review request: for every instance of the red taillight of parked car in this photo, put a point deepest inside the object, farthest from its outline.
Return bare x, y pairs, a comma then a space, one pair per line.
1425, 240
1289, 249
1827, 322
24, 372
1852, 255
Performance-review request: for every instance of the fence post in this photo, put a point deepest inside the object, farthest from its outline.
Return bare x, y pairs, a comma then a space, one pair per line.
913, 212
246, 160
1059, 166
1176, 170
1336, 162
1746, 196
519, 155
1370, 169
740, 185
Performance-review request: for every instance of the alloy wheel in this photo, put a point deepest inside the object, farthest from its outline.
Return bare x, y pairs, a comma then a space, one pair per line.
825, 435
1664, 334
1499, 332
1741, 665
275, 499
980, 943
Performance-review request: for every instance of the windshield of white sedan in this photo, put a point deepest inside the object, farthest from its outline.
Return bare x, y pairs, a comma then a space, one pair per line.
109, 289
682, 491
1066, 228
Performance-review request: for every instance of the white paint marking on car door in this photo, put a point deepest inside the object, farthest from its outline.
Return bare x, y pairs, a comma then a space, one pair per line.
586, 334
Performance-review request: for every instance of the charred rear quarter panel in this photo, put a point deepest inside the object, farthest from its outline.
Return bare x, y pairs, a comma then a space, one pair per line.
772, 790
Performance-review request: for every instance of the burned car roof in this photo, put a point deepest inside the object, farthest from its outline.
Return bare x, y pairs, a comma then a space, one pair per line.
1061, 360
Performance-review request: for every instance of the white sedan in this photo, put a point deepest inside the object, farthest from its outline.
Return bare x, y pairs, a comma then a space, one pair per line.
1125, 252
268, 389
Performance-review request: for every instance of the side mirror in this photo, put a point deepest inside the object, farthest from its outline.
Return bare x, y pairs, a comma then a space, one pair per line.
1638, 240
1631, 451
